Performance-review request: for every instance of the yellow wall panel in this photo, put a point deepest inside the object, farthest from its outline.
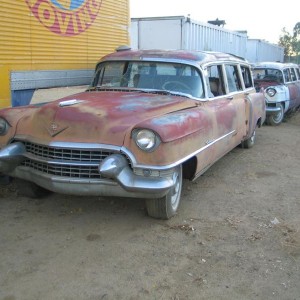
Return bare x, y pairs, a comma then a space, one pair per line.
51, 35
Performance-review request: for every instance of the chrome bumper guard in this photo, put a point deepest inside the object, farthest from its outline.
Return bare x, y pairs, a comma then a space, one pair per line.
11, 156
272, 110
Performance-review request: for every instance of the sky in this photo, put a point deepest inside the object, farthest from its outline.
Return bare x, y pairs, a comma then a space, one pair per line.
260, 18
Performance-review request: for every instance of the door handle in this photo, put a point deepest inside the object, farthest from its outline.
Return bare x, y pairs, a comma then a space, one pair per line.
230, 97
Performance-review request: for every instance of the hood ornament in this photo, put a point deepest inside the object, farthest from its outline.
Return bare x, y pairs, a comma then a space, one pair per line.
69, 102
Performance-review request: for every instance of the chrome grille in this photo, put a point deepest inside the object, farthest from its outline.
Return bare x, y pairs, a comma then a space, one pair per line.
70, 154
65, 162
64, 170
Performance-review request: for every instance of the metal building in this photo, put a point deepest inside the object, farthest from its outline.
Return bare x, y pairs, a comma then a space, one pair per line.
260, 50
181, 32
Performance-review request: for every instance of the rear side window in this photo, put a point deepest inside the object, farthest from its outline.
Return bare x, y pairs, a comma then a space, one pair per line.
216, 81
293, 75
233, 80
247, 76
298, 73
287, 75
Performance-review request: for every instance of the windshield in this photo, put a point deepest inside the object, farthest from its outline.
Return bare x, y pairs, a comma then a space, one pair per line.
173, 77
268, 74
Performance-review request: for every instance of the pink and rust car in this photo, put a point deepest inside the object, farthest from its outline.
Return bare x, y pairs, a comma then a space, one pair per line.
281, 85
148, 120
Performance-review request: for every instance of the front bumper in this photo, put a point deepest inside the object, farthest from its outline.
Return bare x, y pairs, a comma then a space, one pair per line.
117, 178
272, 110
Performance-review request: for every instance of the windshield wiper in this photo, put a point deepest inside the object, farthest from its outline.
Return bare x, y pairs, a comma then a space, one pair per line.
139, 90
165, 92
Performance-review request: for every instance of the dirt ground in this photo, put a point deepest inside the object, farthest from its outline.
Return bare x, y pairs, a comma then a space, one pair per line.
236, 235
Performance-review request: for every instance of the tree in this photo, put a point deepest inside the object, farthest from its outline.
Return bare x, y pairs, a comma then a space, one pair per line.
296, 40
285, 41
290, 42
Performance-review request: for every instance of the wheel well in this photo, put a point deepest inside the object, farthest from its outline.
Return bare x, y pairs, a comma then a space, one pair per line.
189, 168
259, 123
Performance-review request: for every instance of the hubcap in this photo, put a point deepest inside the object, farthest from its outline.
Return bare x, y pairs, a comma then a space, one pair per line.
252, 139
175, 191
278, 117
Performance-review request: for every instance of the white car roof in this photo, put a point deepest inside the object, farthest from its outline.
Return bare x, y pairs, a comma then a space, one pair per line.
274, 65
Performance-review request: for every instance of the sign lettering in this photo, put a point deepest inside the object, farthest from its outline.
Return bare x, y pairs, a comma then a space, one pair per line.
65, 17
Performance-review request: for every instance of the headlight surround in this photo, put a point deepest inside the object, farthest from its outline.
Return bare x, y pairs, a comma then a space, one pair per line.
271, 92
3, 126
146, 139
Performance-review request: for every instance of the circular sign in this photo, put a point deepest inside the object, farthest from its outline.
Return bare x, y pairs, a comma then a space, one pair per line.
65, 17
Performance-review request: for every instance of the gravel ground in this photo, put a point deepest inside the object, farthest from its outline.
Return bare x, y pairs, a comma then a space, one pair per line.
236, 235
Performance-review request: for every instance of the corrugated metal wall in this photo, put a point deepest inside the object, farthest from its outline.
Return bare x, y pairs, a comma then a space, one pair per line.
203, 36
58, 35
183, 33
259, 50
179, 32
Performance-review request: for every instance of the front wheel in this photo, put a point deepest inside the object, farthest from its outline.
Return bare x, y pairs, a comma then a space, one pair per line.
166, 207
276, 119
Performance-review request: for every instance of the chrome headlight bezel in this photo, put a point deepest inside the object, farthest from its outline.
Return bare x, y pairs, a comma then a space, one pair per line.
3, 126
271, 92
146, 139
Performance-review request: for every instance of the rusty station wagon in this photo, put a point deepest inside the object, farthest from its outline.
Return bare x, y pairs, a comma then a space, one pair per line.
148, 120
281, 85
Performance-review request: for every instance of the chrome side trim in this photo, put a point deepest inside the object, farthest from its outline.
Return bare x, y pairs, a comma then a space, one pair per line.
211, 142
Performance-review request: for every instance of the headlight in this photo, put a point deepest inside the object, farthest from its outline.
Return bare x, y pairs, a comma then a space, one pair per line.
146, 139
3, 126
271, 92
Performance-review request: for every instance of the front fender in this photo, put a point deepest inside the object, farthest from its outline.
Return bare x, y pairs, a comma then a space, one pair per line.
176, 125
282, 96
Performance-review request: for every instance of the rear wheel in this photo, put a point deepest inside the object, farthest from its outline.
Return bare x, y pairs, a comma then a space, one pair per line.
166, 207
30, 189
249, 143
276, 119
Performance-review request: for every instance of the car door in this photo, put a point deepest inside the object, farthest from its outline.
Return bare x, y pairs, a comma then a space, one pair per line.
229, 107
293, 86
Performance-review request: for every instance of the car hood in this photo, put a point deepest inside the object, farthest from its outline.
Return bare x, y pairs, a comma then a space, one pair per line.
96, 116
265, 83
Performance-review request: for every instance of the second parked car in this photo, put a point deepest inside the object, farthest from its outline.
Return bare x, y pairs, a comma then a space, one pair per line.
281, 84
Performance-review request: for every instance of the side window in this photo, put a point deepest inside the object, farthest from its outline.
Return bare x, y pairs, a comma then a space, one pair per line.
233, 80
247, 77
287, 76
216, 80
298, 73
293, 74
